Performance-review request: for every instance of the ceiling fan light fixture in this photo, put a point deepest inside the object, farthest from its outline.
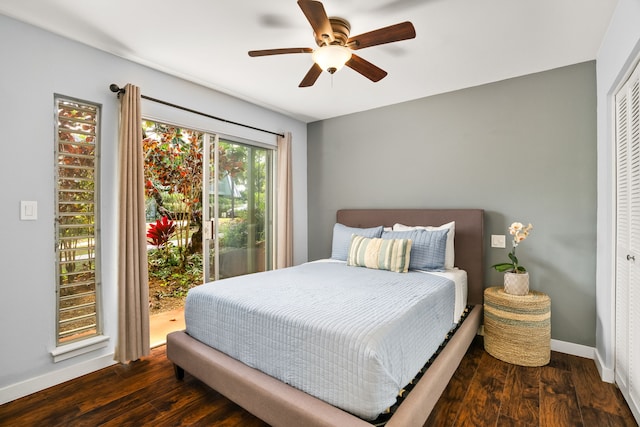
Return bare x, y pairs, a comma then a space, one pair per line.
331, 58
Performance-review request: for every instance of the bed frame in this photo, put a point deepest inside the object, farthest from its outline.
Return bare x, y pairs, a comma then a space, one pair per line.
279, 404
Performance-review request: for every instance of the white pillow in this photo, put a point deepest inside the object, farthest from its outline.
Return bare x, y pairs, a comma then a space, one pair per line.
450, 253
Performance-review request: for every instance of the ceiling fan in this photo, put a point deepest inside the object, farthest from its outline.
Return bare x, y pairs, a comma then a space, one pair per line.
335, 47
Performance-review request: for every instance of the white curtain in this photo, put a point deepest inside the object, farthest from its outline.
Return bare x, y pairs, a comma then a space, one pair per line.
284, 223
133, 282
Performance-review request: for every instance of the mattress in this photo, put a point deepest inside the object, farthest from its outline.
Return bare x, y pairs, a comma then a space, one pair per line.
351, 336
459, 278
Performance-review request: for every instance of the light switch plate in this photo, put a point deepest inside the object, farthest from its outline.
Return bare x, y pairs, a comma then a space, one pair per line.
498, 241
28, 210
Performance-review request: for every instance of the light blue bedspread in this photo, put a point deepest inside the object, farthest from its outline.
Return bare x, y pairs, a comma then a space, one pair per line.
351, 336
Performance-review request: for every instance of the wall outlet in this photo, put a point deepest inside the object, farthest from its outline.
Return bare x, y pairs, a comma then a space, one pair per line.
498, 241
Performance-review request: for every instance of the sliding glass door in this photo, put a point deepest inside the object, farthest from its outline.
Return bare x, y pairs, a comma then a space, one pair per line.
209, 209
237, 208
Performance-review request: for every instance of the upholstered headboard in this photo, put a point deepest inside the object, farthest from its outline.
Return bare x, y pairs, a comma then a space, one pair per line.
469, 237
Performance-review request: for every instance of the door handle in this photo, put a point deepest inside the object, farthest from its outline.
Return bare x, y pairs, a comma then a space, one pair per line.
631, 257
208, 230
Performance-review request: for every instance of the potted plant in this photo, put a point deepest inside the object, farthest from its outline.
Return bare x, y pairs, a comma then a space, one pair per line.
516, 277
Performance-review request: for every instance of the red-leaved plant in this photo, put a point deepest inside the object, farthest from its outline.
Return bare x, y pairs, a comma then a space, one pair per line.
160, 232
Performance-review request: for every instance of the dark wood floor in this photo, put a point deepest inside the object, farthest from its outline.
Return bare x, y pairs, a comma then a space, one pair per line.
483, 392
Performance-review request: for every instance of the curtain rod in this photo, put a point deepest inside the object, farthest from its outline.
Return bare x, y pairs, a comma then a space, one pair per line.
116, 89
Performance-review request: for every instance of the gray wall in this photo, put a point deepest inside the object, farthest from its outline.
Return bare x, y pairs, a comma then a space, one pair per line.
523, 149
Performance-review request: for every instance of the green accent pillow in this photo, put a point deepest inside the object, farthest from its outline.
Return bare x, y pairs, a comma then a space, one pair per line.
380, 254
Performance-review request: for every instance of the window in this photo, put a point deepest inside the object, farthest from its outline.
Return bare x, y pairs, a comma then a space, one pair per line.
76, 224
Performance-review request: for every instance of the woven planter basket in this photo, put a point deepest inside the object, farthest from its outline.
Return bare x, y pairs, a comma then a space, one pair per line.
517, 329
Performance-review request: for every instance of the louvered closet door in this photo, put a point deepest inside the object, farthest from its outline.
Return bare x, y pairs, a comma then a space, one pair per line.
628, 241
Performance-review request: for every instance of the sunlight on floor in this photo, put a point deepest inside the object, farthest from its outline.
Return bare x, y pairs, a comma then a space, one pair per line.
162, 323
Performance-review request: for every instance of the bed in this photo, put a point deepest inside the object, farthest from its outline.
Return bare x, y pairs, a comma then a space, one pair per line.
281, 404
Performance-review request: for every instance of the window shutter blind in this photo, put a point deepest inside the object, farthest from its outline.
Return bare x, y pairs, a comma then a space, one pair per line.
76, 220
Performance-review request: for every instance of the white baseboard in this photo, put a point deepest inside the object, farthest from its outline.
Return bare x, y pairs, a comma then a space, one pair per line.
565, 347
606, 374
573, 349
32, 385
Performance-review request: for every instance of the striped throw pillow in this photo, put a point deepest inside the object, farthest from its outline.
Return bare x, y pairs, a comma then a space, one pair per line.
381, 254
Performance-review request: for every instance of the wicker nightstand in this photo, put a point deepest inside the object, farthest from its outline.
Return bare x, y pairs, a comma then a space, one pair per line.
517, 328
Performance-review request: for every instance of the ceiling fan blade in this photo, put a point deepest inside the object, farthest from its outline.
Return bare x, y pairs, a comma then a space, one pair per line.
392, 33
366, 68
280, 51
311, 77
317, 17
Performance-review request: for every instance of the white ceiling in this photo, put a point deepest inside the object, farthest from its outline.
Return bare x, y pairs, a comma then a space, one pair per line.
459, 44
